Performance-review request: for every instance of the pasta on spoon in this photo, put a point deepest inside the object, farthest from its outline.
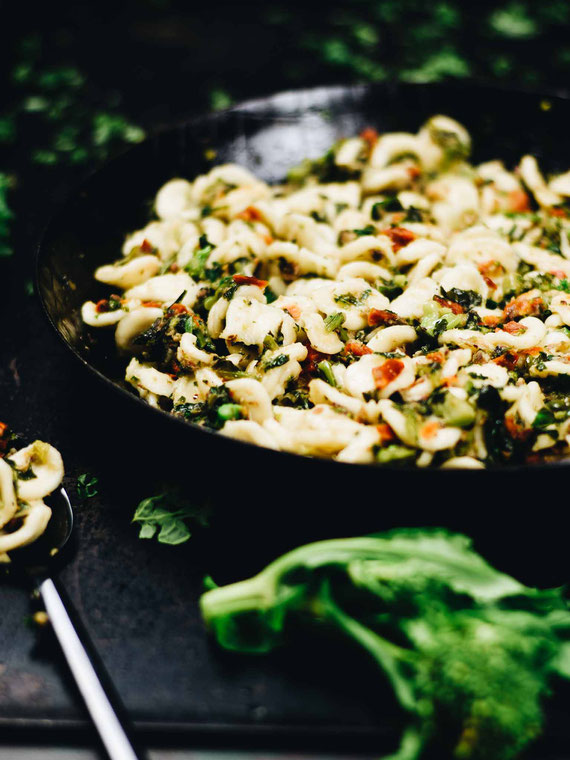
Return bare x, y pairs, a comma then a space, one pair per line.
27, 476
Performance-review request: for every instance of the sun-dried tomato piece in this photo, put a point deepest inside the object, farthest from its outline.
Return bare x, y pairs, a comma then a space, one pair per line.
370, 136
518, 200
178, 308
357, 348
294, 311
429, 429
245, 279
522, 306
399, 236
514, 328
250, 214
382, 317
455, 307
509, 360
385, 432
515, 428
387, 372
312, 360
557, 212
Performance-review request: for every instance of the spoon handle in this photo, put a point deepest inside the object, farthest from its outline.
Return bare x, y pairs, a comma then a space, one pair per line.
112, 731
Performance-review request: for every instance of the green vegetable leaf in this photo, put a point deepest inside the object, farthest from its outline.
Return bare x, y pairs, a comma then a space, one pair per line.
170, 517
464, 646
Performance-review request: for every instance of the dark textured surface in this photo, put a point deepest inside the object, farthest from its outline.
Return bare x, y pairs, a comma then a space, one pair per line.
139, 600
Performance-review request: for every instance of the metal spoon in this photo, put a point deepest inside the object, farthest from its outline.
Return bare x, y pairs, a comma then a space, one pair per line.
39, 560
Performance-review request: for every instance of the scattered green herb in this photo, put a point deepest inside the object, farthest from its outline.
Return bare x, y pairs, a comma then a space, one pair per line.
170, 517
87, 486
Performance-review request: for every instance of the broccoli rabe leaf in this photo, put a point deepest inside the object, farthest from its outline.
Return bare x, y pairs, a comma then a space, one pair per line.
170, 517
462, 644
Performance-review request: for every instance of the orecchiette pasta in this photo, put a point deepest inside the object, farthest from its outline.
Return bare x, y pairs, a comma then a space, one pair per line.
27, 476
389, 302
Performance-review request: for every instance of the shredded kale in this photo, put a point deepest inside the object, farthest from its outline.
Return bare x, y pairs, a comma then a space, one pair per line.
391, 203
276, 361
467, 299
213, 412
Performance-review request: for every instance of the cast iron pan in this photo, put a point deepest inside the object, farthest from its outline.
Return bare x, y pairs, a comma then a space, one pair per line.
269, 135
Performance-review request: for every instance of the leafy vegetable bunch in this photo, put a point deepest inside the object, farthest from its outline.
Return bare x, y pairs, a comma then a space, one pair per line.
462, 645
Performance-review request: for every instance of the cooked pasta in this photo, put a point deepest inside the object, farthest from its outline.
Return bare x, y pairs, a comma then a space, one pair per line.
27, 476
389, 302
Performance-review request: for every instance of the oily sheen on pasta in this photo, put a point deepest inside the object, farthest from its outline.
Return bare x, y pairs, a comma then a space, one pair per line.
27, 476
389, 302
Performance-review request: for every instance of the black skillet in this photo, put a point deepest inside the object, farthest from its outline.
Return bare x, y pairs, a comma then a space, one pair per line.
515, 513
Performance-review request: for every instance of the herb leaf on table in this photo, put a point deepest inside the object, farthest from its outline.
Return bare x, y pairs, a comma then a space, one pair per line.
170, 517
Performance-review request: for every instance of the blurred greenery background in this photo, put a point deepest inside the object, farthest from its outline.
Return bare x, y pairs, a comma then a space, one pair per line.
81, 80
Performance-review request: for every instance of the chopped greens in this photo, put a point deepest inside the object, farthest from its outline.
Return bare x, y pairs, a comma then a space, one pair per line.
334, 321
196, 267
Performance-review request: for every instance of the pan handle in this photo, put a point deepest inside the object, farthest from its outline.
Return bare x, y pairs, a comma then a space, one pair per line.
110, 721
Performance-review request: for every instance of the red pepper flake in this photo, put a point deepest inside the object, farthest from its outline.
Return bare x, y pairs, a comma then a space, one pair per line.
491, 321
102, 306
456, 308
178, 308
387, 372
244, 279
357, 348
435, 356
448, 381
370, 136
399, 236
382, 317
250, 214
268, 239
414, 172
518, 200
152, 304
513, 328
522, 306
385, 432
489, 282
146, 246
557, 212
